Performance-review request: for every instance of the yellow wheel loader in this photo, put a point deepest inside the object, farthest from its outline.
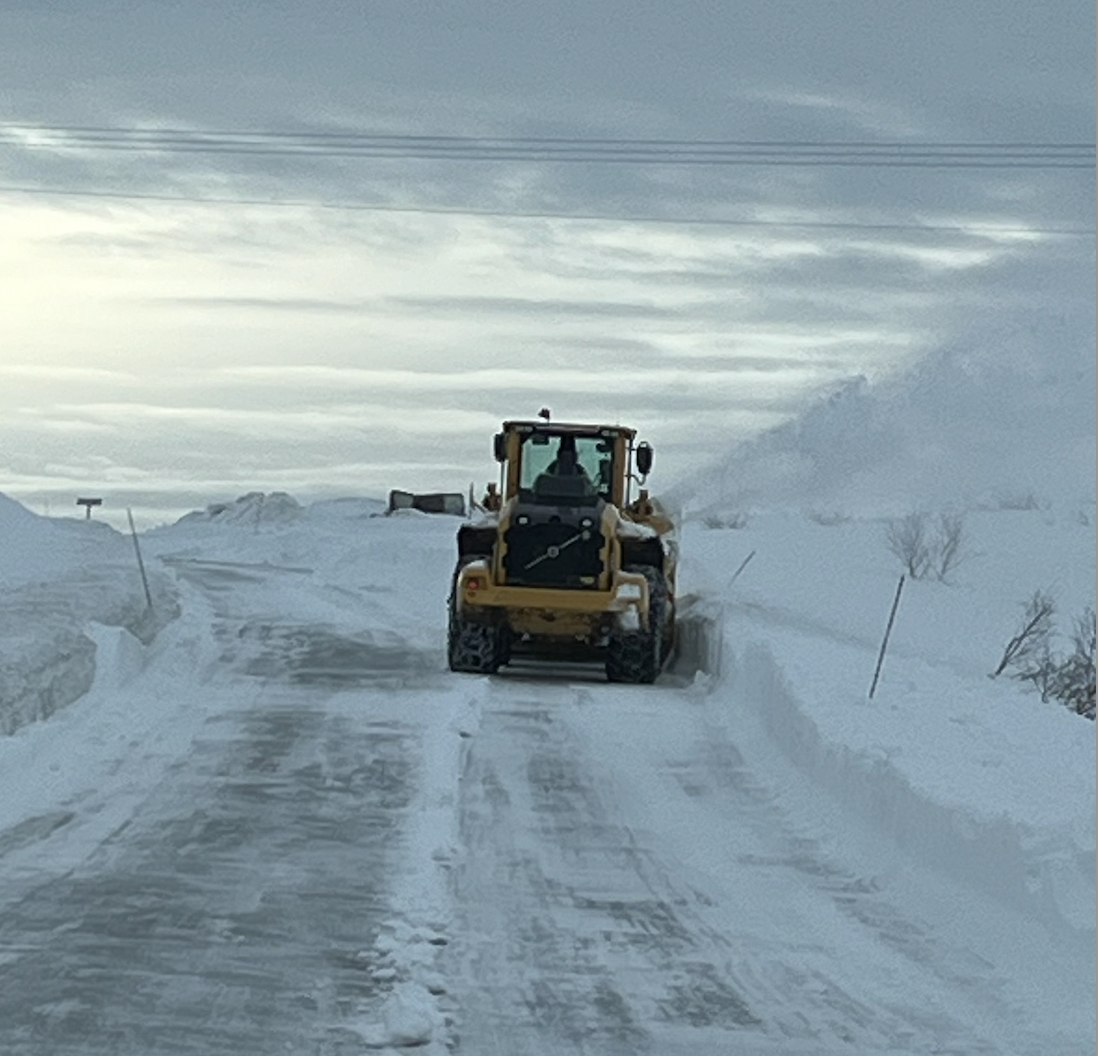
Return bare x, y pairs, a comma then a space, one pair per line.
562, 560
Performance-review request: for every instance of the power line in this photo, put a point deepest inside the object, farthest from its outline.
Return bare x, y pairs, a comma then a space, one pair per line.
94, 133
420, 137
927, 161
403, 147
381, 207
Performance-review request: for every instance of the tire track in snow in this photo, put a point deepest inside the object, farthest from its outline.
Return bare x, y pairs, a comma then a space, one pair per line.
576, 940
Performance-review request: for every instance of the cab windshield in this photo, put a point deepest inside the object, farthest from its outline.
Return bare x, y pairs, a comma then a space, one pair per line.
556, 467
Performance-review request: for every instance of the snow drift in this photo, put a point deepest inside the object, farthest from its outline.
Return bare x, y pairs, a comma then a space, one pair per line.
960, 429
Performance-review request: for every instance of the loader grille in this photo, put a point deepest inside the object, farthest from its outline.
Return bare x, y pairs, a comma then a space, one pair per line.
553, 554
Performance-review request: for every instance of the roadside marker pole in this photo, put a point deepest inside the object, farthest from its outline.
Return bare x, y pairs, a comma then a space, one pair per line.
140, 563
743, 565
888, 631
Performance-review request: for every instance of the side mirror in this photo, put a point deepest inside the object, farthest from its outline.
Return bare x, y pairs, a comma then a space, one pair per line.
644, 458
499, 447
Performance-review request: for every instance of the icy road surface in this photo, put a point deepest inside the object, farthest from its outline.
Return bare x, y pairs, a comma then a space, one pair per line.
287, 829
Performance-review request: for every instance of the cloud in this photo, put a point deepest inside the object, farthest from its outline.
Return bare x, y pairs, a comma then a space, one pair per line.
895, 120
536, 306
437, 304
54, 372
294, 305
208, 341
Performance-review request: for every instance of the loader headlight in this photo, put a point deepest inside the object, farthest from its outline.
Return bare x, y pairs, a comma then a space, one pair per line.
586, 522
522, 518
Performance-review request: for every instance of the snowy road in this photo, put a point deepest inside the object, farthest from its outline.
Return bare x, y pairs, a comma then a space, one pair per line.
332, 846
684, 912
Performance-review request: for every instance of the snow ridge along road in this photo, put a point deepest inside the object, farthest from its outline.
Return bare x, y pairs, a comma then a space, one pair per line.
284, 827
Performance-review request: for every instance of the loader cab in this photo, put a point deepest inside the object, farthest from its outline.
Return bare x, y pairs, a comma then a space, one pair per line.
564, 464
565, 470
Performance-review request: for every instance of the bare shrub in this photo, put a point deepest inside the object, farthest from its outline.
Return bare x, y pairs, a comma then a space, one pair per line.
1032, 640
1017, 500
1030, 657
949, 544
927, 550
829, 518
1072, 680
1038, 668
909, 539
729, 520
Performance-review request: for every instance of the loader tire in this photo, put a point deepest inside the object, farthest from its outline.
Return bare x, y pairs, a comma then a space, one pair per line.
638, 656
474, 648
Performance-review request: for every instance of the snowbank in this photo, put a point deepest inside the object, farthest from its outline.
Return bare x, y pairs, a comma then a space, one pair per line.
57, 578
979, 778
974, 810
251, 510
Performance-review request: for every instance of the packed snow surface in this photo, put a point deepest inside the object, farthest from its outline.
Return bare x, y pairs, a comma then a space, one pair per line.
275, 822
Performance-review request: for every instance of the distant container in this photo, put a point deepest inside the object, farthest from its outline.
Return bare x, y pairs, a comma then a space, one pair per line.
451, 502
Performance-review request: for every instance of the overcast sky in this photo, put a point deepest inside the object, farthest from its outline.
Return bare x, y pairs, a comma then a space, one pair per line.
236, 319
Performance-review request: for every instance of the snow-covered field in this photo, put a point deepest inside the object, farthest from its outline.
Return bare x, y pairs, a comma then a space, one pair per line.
267, 818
